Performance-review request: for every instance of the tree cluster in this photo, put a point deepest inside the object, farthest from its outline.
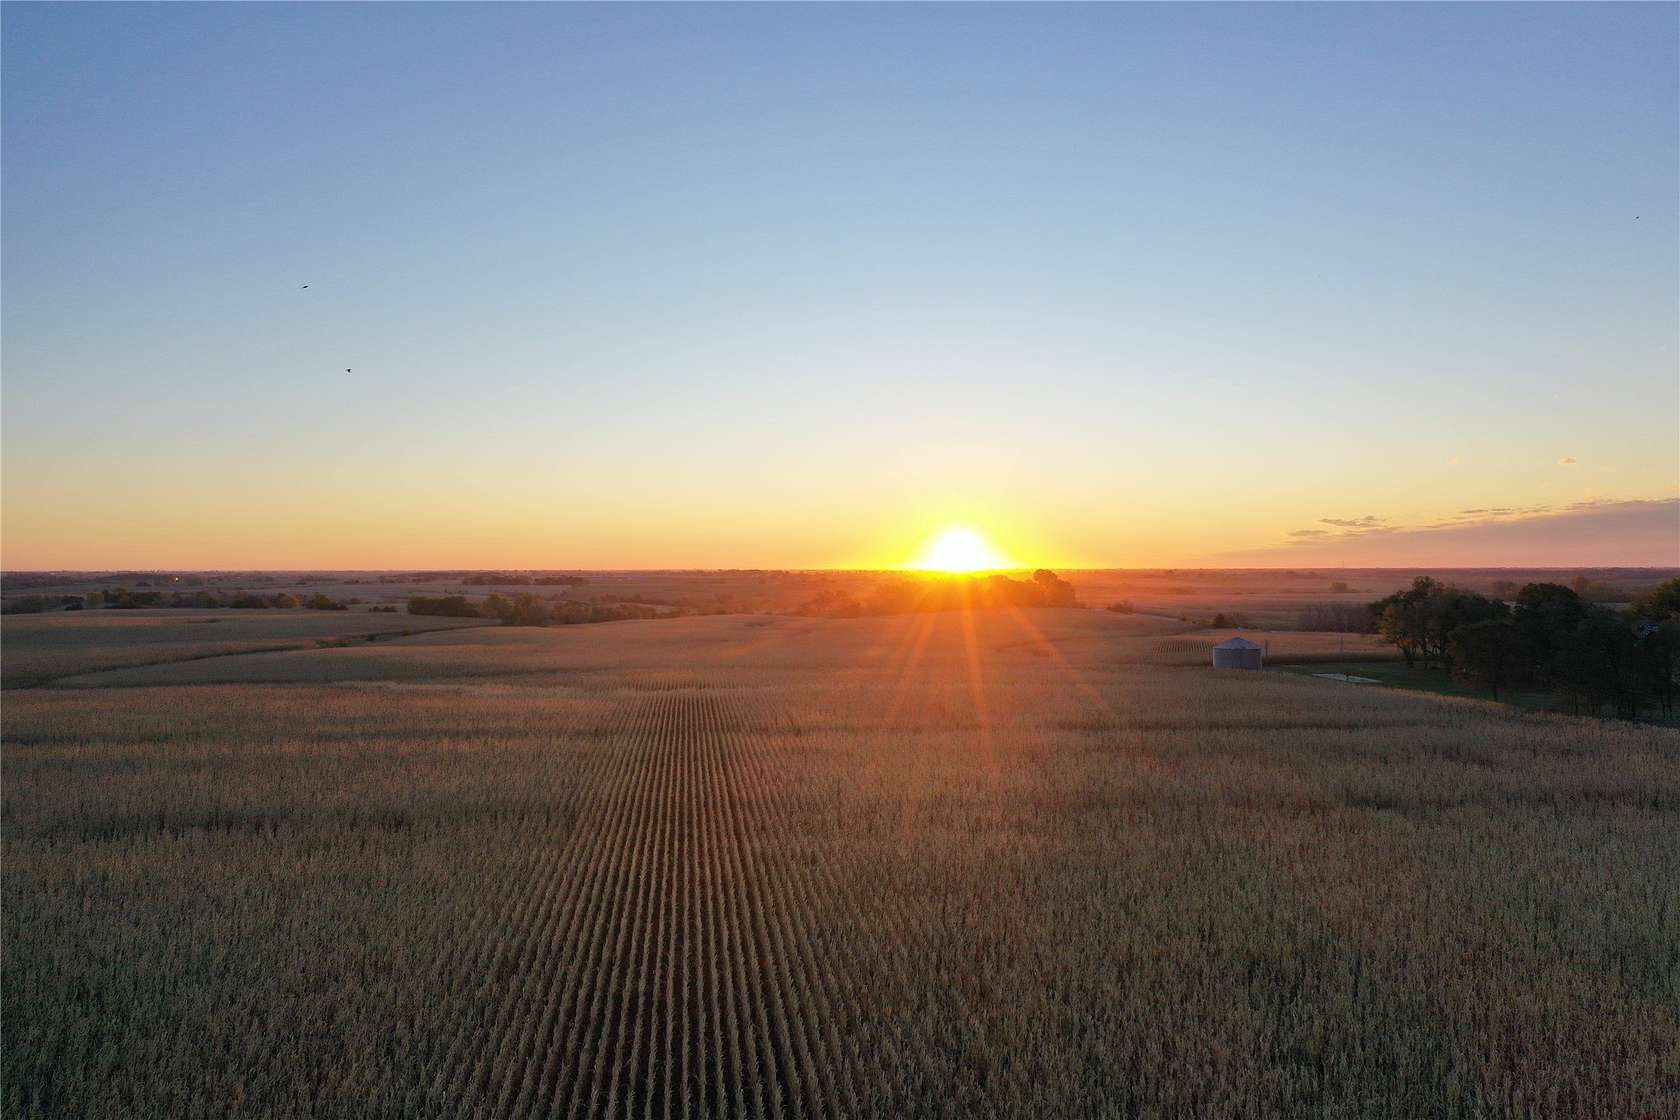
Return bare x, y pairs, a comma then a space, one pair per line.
530, 610
520, 579
124, 599
30, 604
1549, 638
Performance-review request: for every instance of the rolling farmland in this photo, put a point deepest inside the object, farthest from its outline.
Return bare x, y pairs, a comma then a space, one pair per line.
1003, 863
41, 648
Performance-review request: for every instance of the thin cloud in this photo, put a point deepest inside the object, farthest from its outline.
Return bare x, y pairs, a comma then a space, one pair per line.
1493, 513
1593, 531
1567, 461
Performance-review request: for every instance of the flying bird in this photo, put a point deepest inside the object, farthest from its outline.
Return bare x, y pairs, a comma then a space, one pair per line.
306, 285
346, 371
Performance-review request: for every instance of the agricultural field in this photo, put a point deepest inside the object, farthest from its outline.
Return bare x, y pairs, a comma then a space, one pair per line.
1015, 863
38, 648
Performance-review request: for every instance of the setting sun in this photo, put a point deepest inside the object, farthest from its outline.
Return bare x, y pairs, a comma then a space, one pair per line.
958, 548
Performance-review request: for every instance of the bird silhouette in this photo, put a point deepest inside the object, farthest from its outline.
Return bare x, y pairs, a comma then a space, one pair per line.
306, 285
346, 371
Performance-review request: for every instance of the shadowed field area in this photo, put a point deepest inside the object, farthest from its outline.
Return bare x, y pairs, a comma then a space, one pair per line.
1016, 863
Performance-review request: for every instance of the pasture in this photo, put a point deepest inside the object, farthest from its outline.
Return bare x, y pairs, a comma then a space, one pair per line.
1001, 863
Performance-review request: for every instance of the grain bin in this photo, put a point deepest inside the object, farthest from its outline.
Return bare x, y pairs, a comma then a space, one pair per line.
1238, 653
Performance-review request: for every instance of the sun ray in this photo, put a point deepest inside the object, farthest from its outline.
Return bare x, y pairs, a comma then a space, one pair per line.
1083, 686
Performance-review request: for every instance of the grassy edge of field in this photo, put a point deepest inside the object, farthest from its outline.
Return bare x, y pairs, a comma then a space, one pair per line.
1396, 674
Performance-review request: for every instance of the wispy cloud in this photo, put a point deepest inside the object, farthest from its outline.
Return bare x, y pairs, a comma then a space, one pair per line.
1567, 461
1594, 531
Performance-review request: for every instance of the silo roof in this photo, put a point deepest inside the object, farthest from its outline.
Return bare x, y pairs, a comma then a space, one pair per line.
1237, 643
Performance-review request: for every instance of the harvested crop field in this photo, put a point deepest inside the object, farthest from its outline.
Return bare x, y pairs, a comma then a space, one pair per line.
1012, 863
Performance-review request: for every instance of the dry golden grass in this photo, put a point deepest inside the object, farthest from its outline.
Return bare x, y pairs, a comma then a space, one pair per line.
959, 865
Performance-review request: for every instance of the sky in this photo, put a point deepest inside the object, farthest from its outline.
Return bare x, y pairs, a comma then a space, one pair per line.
797, 286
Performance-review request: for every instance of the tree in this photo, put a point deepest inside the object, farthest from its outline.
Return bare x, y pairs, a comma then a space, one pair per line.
1660, 605
1592, 590
1421, 619
1053, 590
1487, 654
26, 604
521, 610
1659, 662
1599, 662
1403, 623
1546, 614
448, 606
1448, 610
1402, 618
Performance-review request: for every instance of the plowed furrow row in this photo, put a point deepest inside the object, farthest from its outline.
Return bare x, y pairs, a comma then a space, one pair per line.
546, 1062
615, 931
630, 1072
729, 1053
671, 954
484, 952
793, 895
530, 942
786, 945
588, 939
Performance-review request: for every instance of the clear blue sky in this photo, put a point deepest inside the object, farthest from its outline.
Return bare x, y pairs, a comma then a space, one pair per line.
787, 285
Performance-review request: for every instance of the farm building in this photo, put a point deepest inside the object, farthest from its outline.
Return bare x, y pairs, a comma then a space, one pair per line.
1238, 653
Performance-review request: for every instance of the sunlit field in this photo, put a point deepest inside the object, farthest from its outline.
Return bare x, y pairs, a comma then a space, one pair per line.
1023, 863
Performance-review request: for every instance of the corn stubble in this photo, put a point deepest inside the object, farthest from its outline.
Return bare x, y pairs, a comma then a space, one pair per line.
987, 865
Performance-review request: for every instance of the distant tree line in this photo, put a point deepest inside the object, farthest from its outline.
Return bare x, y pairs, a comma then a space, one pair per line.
1349, 618
484, 579
1550, 637
915, 596
20, 581
1592, 590
33, 604
123, 599
509, 579
530, 610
